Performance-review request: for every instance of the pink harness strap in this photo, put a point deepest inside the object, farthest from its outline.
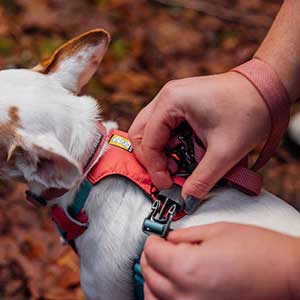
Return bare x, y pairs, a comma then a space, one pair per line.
71, 226
240, 176
274, 94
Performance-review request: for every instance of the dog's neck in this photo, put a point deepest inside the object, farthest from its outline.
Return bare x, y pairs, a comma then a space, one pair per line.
79, 133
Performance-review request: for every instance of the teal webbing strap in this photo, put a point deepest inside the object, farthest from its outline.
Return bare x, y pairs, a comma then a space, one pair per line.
75, 208
80, 198
138, 282
154, 227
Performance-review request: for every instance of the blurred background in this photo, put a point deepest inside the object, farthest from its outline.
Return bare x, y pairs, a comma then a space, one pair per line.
153, 41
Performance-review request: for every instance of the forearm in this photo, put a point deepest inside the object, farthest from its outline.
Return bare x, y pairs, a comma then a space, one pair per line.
281, 47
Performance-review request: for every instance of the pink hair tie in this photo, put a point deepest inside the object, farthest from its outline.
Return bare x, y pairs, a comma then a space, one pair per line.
274, 94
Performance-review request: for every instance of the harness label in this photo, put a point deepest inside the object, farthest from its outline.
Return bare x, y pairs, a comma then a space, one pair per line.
121, 142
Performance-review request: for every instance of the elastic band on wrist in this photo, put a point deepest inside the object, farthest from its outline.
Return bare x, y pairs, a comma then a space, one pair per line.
274, 94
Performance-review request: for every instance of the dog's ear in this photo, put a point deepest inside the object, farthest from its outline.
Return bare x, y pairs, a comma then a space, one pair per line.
43, 159
74, 63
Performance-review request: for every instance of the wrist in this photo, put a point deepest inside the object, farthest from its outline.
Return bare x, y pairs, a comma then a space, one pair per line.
280, 48
289, 76
262, 76
252, 103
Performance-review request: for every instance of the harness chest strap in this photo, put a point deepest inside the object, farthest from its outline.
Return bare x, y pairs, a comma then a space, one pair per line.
73, 221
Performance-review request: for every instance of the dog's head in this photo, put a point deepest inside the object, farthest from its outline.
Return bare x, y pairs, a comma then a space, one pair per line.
37, 116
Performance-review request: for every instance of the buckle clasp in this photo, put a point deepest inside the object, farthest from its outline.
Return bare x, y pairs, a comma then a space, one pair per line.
183, 152
156, 223
168, 203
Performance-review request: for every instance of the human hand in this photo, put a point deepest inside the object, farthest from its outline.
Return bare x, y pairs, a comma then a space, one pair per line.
222, 261
225, 111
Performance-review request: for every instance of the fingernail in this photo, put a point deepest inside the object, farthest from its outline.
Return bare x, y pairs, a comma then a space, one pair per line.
191, 204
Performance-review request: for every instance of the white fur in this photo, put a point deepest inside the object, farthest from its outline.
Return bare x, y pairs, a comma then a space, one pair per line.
73, 79
63, 126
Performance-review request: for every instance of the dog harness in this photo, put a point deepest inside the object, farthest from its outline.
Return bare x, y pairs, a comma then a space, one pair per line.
119, 159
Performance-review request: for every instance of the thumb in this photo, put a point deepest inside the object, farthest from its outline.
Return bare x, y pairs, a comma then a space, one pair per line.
212, 167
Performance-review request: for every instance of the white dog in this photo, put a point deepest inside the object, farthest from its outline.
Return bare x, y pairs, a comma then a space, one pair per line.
47, 135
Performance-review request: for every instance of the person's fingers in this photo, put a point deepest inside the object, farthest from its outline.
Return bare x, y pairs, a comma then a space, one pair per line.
136, 131
172, 166
148, 295
156, 136
159, 285
163, 257
197, 234
157, 252
213, 166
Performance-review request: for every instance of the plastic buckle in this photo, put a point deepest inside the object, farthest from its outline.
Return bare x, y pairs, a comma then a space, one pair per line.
188, 155
158, 222
183, 154
163, 210
155, 223
161, 215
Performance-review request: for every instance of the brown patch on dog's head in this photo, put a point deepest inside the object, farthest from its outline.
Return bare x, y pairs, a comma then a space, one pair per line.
90, 38
8, 128
14, 116
8, 132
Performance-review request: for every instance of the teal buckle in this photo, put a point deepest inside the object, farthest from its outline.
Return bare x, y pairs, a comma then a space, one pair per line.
159, 220
163, 210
